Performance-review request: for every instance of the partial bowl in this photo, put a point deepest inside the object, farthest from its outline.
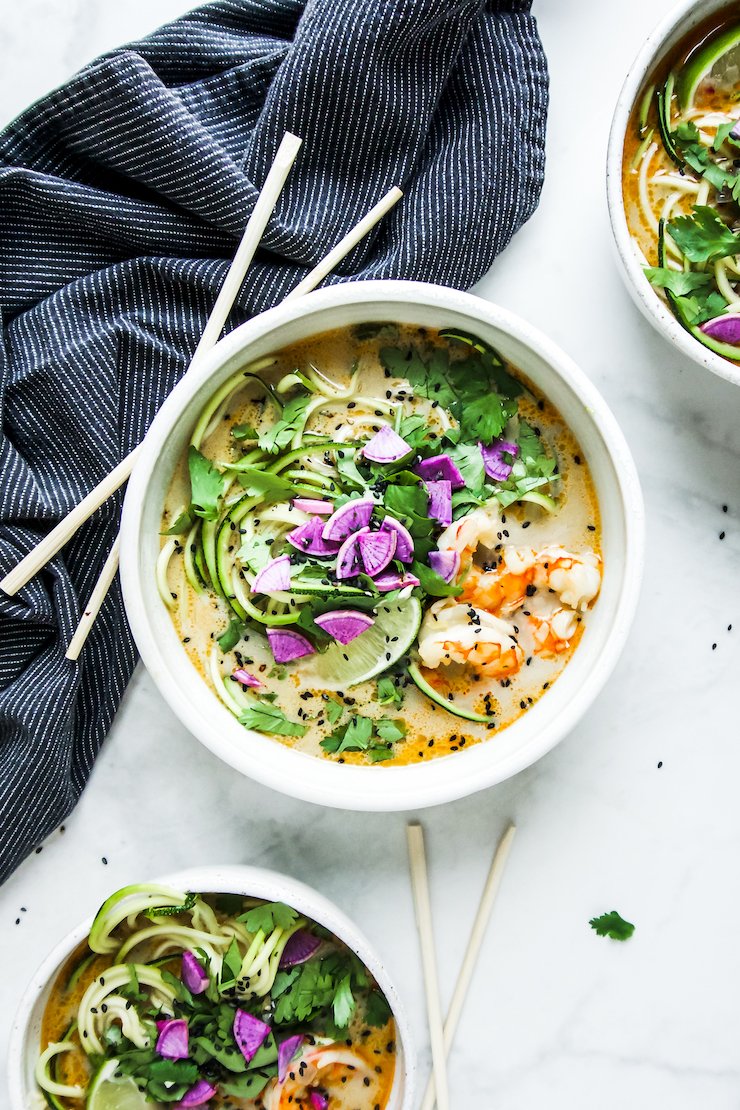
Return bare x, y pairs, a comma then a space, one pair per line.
678, 23
25, 1035
552, 716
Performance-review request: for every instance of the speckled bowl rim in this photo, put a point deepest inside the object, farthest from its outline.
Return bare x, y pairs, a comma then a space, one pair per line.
254, 882
384, 788
659, 42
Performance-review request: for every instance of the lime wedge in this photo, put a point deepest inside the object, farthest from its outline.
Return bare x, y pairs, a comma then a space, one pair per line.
343, 665
719, 57
108, 1093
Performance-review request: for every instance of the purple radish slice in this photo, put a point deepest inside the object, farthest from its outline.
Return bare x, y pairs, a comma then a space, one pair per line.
288, 645
349, 561
376, 550
344, 625
192, 972
350, 518
440, 468
445, 563
313, 505
404, 540
249, 1033
286, 1053
300, 947
440, 501
494, 463
391, 580
309, 538
725, 329
172, 1042
246, 679
318, 1100
274, 577
198, 1095
386, 446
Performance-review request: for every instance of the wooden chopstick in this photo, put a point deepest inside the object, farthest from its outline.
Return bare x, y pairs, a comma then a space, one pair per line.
477, 933
309, 282
422, 906
253, 232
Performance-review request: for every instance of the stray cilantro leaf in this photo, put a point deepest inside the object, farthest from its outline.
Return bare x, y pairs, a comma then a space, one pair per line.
352, 737
334, 711
469, 461
390, 731
232, 965
703, 237
269, 718
388, 692
183, 524
612, 925
486, 417
244, 431
271, 915
207, 485
378, 753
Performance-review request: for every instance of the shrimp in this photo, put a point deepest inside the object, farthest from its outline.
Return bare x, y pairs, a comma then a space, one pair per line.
323, 1067
552, 632
522, 571
455, 633
478, 529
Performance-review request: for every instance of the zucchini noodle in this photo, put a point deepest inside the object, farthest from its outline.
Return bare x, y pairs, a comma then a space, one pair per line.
42, 1072
163, 563
645, 205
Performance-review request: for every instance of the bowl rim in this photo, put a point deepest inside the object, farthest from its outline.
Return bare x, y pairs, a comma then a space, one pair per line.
244, 879
642, 292
414, 786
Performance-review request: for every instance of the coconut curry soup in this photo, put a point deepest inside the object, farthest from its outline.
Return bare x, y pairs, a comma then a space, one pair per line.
681, 183
381, 546
185, 1000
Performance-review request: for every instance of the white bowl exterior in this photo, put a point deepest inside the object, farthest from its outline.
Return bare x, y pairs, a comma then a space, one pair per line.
658, 44
25, 1036
482, 765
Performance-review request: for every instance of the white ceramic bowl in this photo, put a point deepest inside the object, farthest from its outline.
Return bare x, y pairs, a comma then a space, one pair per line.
25, 1035
679, 22
439, 780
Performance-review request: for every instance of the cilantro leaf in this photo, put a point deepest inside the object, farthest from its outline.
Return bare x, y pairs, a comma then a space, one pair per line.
271, 486
343, 1003
486, 417
334, 711
703, 237
352, 737
390, 731
292, 420
612, 925
377, 1011
469, 461
233, 634
207, 485
433, 583
678, 282
181, 525
269, 718
271, 915
388, 692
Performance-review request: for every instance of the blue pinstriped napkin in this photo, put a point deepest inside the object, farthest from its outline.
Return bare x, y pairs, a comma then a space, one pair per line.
122, 196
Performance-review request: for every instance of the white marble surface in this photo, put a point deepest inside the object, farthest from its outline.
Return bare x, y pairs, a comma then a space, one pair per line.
557, 1018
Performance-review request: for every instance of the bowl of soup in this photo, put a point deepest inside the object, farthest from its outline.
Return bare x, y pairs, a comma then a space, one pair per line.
673, 182
218, 987
383, 547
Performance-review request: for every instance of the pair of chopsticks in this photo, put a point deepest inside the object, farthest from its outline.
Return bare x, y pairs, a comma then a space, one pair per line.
264, 206
442, 1033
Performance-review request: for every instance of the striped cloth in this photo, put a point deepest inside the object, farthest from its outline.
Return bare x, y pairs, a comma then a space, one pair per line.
122, 196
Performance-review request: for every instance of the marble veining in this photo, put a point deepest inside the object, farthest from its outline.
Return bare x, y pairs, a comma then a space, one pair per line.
557, 1018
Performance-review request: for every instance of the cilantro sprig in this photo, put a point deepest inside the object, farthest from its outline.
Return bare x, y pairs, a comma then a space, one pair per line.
612, 925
